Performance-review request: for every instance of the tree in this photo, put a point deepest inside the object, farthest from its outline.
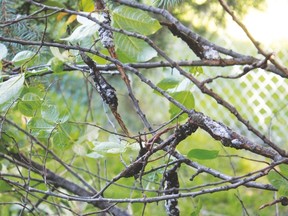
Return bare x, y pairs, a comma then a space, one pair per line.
98, 111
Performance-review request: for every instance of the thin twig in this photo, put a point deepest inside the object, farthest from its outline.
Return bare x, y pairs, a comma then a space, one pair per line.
255, 42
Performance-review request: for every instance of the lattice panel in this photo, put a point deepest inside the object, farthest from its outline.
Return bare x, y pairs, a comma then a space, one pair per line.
261, 97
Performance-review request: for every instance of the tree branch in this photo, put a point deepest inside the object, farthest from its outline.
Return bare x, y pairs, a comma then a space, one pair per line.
58, 181
181, 29
249, 35
230, 138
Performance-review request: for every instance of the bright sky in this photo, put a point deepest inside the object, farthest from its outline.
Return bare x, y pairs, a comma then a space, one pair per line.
267, 26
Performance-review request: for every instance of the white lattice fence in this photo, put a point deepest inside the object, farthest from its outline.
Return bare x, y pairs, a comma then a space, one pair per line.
261, 97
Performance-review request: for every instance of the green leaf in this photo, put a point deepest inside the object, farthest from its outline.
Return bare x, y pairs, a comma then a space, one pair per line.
86, 5
136, 20
4, 186
38, 123
168, 83
22, 58
86, 29
94, 155
29, 104
81, 32
40, 127
98, 59
60, 58
284, 169
80, 148
275, 179
167, 3
196, 70
37, 89
185, 98
197, 210
278, 182
131, 49
109, 147
10, 89
59, 29
26, 108
57, 65
63, 117
56, 53
283, 190
60, 139
3, 51
203, 154
37, 72
50, 113
71, 131
154, 176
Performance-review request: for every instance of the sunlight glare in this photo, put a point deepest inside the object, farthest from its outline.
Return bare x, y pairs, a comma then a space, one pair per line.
268, 26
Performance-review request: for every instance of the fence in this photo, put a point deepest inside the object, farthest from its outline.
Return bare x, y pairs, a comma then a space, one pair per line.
260, 96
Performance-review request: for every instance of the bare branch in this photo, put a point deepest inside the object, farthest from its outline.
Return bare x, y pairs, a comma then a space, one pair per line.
59, 181
230, 138
256, 43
